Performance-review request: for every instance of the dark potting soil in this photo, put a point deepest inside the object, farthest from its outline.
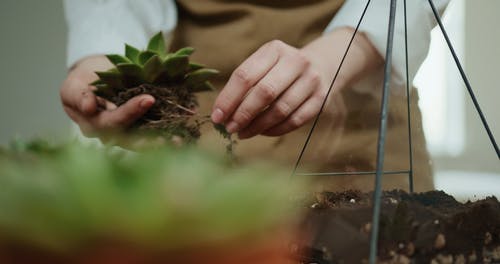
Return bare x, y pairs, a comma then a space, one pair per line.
429, 227
173, 111
172, 115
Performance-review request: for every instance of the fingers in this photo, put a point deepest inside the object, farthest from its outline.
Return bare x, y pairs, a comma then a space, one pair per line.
242, 79
286, 104
123, 116
114, 120
81, 105
77, 95
266, 91
304, 113
96, 116
257, 83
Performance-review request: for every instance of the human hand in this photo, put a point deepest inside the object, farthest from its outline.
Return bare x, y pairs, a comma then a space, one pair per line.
279, 88
95, 116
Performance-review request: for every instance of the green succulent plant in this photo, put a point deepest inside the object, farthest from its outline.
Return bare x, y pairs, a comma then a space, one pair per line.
169, 77
159, 200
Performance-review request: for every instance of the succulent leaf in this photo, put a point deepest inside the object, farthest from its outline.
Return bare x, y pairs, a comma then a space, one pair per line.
132, 53
116, 59
194, 79
105, 74
97, 82
104, 91
201, 87
153, 68
144, 56
112, 79
130, 69
195, 66
176, 65
133, 74
185, 51
157, 44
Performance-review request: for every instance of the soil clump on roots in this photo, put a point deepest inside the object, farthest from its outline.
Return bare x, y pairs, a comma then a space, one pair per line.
173, 112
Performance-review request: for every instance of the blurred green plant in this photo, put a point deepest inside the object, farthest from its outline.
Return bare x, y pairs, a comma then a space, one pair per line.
160, 199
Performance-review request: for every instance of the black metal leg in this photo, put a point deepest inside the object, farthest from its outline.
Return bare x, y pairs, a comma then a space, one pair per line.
379, 172
410, 145
329, 92
377, 195
466, 80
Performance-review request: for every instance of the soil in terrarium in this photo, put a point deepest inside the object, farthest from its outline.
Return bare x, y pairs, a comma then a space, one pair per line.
429, 227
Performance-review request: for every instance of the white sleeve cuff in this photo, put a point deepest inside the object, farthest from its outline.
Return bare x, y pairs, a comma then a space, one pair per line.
420, 21
103, 26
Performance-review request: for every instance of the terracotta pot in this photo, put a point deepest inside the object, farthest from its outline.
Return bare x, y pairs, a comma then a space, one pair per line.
270, 250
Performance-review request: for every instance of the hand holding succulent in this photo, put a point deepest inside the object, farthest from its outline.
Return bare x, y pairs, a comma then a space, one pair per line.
149, 91
169, 77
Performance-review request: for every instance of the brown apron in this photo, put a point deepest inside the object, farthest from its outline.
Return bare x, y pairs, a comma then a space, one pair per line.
226, 32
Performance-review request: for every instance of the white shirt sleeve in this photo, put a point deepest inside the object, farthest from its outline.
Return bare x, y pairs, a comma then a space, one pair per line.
103, 26
420, 21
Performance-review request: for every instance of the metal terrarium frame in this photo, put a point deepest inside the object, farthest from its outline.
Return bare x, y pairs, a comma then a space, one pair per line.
379, 171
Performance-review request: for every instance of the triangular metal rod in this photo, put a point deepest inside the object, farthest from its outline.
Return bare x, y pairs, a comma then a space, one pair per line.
466, 80
352, 173
377, 194
408, 104
308, 139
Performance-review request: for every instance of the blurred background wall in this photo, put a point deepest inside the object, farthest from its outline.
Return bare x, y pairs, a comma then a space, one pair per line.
482, 53
464, 159
32, 66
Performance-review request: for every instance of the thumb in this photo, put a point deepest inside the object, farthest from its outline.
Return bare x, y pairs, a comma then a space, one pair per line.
77, 95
